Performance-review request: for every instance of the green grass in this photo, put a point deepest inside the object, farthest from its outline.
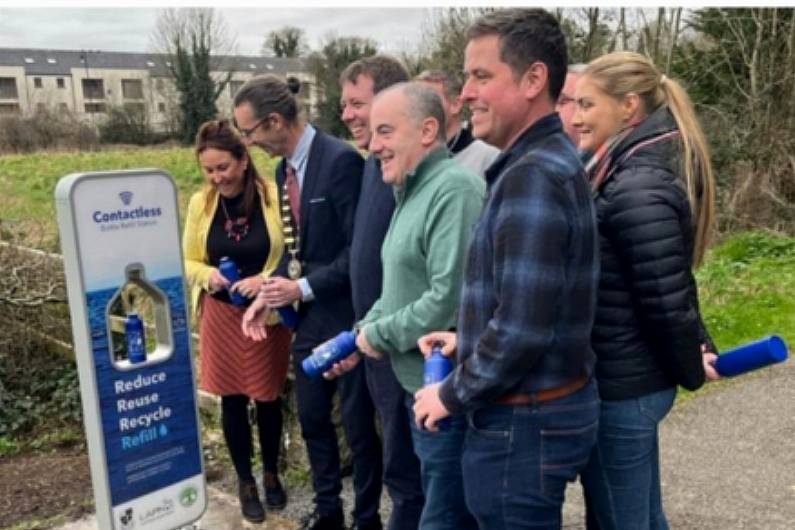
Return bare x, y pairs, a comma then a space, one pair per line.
746, 289
745, 286
27, 208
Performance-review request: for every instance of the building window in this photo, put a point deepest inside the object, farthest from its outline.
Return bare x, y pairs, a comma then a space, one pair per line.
161, 107
37, 82
95, 108
63, 107
132, 89
8, 88
41, 108
93, 89
138, 109
159, 84
234, 86
9, 108
60, 82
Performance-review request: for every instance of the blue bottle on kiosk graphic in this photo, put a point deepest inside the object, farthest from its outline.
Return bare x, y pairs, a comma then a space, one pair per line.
228, 270
330, 352
437, 367
136, 341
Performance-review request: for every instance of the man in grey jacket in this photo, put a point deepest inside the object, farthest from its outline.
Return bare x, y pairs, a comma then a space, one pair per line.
470, 152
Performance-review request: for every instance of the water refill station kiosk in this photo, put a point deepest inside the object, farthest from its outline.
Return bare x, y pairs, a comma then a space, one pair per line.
123, 262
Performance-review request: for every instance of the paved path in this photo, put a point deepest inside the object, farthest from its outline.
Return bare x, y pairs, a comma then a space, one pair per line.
728, 463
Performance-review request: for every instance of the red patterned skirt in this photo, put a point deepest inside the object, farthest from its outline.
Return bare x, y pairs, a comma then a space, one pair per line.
231, 363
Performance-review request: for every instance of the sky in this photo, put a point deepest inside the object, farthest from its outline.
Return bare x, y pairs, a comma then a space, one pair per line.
130, 29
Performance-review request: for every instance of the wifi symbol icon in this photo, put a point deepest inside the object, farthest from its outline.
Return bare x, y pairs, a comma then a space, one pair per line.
126, 197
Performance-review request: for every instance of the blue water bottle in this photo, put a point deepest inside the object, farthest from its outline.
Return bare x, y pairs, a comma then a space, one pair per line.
289, 316
437, 367
751, 356
229, 271
136, 342
330, 352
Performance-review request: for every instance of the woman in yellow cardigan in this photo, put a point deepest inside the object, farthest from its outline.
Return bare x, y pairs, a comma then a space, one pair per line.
236, 216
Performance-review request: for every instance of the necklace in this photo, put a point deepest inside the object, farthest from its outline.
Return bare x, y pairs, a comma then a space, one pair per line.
235, 229
292, 240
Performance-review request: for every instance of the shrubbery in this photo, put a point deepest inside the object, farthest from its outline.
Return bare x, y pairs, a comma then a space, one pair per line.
127, 125
45, 130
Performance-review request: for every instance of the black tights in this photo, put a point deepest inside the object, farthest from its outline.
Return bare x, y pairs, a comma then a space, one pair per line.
237, 432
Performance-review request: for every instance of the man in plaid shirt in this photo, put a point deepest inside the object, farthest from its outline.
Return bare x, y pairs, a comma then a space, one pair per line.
525, 363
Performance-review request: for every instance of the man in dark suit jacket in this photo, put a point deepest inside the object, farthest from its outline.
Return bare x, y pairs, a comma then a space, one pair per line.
322, 175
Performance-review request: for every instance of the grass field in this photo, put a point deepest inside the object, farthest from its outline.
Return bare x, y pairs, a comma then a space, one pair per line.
27, 207
746, 285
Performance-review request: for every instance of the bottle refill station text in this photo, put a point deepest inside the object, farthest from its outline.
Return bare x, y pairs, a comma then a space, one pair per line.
125, 280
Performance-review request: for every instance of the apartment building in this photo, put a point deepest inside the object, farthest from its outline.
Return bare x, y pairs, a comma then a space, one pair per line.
89, 82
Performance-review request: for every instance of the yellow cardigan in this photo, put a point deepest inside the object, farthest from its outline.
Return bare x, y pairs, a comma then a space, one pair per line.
197, 229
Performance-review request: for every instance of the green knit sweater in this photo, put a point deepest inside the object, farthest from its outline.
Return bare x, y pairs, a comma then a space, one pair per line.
423, 257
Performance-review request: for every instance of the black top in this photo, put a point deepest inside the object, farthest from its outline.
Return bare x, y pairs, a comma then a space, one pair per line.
460, 141
648, 330
373, 214
250, 252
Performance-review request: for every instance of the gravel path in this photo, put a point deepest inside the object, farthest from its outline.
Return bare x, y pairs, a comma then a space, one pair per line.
727, 464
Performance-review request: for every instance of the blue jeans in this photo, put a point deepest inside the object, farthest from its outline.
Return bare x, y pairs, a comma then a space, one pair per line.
518, 459
623, 474
401, 466
440, 465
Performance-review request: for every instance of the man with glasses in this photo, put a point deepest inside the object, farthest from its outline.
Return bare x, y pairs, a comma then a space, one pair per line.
566, 105
319, 178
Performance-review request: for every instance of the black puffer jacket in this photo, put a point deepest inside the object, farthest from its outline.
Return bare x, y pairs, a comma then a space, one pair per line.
648, 331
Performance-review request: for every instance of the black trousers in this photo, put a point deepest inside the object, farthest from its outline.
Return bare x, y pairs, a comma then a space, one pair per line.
358, 420
237, 433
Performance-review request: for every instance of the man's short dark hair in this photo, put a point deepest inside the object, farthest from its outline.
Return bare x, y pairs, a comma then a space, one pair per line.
268, 93
450, 84
382, 69
527, 36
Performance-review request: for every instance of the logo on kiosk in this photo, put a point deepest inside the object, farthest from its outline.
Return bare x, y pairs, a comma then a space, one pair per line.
188, 496
126, 197
126, 519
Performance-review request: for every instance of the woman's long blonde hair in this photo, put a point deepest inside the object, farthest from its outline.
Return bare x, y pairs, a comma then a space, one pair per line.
623, 73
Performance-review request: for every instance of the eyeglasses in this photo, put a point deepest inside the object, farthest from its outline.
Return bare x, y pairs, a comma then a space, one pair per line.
245, 133
565, 100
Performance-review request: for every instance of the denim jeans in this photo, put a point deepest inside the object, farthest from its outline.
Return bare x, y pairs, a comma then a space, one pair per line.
518, 459
623, 474
401, 466
440, 466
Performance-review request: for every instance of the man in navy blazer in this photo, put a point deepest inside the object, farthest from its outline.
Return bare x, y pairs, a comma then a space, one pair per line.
328, 174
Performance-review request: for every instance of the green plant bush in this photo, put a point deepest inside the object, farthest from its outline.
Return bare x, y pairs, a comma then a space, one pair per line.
45, 130
39, 390
127, 125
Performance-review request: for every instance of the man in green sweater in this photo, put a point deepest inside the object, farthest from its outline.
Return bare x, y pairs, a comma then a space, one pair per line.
423, 254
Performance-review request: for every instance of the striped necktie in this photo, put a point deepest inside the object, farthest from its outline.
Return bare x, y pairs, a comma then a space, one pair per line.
293, 192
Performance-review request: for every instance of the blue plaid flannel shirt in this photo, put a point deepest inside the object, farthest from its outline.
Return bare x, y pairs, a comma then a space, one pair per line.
529, 294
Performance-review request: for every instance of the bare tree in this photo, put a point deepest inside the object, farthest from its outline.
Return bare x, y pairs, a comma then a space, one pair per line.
288, 41
194, 42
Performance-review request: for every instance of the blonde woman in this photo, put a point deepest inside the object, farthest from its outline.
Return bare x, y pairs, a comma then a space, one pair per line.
236, 215
654, 193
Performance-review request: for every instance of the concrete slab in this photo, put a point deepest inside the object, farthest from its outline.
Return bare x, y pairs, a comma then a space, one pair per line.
223, 513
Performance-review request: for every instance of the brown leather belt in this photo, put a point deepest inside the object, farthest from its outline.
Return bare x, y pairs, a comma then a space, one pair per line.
544, 395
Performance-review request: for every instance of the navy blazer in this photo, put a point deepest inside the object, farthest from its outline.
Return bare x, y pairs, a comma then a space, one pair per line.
328, 204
